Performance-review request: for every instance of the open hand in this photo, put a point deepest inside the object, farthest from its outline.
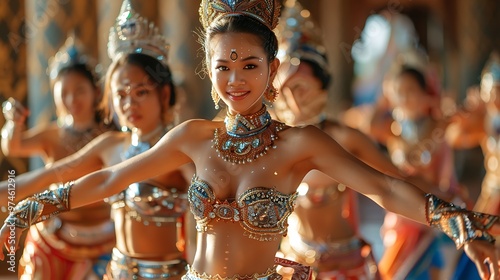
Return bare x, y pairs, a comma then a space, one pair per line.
485, 256
14, 111
9, 237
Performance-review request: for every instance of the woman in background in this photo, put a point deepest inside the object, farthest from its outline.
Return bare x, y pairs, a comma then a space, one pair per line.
147, 214
77, 243
413, 132
478, 123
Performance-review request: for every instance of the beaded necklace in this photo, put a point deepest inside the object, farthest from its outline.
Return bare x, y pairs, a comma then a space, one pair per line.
246, 138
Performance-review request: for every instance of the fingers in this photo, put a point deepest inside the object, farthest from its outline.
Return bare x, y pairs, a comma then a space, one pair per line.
481, 268
484, 256
493, 264
3, 240
14, 111
9, 237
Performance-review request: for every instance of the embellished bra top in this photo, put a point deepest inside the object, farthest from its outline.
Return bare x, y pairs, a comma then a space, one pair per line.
261, 212
151, 204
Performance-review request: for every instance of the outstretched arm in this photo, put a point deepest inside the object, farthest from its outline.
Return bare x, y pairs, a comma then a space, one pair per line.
466, 228
84, 161
365, 149
164, 157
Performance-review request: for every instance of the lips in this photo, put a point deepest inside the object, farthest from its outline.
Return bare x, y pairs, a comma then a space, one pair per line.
238, 95
133, 117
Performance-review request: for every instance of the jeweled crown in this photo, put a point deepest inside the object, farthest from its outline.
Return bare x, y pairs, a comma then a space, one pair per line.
71, 53
299, 38
265, 11
134, 34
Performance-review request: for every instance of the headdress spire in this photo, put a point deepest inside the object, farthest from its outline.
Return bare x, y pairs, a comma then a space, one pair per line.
134, 34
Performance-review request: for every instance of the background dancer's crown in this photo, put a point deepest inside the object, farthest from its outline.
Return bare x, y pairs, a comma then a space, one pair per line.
135, 34
265, 11
299, 38
71, 53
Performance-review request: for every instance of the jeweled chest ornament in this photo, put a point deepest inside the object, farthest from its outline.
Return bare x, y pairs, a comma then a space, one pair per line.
234, 55
246, 138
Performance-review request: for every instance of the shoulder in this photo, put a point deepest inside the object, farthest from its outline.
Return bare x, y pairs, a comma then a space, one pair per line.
107, 138
304, 134
193, 130
196, 126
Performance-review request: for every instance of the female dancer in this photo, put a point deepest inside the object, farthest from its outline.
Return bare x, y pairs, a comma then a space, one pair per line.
248, 168
478, 123
415, 141
147, 212
332, 246
52, 251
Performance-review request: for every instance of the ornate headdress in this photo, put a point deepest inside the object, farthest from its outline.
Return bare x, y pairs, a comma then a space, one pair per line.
71, 53
299, 39
135, 34
491, 72
265, 11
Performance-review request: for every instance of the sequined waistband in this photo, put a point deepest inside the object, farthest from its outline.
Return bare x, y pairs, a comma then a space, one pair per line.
124, 267
270, 274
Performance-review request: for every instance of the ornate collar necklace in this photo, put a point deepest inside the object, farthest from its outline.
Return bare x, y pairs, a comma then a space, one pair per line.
246, 138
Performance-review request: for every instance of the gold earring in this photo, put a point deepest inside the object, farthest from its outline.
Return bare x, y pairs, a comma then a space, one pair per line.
215, 98
271, 93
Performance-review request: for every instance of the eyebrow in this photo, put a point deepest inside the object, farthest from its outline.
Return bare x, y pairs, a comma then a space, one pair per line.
243, 59
132, 86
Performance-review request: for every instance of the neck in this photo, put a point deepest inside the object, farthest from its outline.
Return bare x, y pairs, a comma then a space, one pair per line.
139, 135
83, 125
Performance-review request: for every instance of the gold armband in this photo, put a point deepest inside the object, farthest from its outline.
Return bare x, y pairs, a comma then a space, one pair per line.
461, 225
40, 207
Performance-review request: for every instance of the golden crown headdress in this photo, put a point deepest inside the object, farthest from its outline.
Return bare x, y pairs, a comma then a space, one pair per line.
71, 53
265, 11
134, 34
299, 38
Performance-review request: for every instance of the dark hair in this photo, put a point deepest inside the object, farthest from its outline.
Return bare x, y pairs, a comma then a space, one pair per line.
242, 24
81, 69
156, 70
320, 73
416, 74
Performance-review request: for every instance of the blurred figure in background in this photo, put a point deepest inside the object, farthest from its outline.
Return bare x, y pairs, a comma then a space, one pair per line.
478, 123
333, 245
80, 242
413, 131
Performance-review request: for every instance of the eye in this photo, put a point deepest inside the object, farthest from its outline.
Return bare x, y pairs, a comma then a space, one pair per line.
250, 66
222, 68
142, 92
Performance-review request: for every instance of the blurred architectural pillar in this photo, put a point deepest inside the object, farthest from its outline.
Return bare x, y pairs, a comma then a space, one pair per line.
12, 69
478, 34
179, 22
330, 17
107, 12
47, 25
